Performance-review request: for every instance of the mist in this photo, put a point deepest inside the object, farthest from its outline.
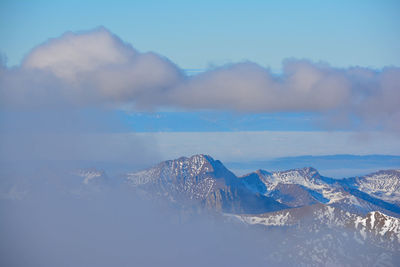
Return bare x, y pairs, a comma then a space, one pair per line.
58, 221
73, 138
55, 220
51, 228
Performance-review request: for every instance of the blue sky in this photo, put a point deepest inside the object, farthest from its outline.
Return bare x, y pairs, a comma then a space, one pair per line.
198, 34
275, 42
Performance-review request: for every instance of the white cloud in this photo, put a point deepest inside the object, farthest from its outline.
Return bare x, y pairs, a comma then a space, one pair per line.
87, 69
71, 54
96, 68
250, 87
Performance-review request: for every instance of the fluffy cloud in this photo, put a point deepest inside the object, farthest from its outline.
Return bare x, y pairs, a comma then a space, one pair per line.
96, 68
250, 87
72, 54
87, 69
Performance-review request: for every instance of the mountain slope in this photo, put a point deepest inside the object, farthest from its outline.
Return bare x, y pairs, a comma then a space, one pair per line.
383, 229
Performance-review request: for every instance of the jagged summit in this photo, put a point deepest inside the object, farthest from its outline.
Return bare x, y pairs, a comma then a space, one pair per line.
198, 159
198, 166
204, 179
206, 163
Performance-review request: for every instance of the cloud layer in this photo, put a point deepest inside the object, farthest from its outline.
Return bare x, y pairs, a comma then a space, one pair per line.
96, 68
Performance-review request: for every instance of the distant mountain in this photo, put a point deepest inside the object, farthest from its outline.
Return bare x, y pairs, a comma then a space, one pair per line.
384, 185
305, 186
337, 166
293, 188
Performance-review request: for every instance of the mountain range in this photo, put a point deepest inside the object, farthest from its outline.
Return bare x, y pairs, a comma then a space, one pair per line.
367, 206
208, 182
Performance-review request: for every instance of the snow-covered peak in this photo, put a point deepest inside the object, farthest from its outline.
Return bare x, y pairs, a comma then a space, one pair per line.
200, 166
192, 166
384, 184
202, 158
